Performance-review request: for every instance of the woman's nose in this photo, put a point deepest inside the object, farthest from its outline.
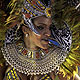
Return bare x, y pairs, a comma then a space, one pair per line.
47, 32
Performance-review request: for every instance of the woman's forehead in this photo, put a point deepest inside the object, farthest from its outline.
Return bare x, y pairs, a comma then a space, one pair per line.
43, 20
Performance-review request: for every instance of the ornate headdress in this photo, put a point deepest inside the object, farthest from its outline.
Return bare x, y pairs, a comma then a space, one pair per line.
35, 8
30, 9
22, 13
26, 10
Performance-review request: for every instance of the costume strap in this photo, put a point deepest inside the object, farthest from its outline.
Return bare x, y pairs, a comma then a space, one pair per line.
45, 77
12, 75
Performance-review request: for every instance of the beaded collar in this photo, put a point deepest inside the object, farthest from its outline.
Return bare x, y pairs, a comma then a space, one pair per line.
36, 54
33, 63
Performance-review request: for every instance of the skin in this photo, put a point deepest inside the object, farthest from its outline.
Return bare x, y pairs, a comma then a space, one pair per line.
34, 41
2, 71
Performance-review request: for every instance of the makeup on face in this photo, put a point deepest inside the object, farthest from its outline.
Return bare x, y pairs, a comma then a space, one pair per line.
42, 25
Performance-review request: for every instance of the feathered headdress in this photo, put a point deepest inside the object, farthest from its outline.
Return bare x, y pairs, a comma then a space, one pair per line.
25, 10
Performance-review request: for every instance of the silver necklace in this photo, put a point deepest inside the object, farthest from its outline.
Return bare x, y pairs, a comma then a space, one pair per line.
31, 66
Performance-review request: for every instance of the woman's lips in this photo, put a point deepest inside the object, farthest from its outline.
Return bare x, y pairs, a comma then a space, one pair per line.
45, 41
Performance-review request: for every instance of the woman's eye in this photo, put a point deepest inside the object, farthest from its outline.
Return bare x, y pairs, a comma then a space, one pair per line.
40, 27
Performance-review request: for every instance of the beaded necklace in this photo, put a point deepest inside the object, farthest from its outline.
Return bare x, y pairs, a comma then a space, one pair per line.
33, 62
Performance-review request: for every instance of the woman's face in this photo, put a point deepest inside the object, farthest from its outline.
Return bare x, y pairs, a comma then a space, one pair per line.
42, 25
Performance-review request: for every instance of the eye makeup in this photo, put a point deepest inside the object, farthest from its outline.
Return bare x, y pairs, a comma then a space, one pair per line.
40, 27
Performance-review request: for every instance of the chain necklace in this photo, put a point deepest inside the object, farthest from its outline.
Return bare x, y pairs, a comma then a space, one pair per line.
33, 62
30, 54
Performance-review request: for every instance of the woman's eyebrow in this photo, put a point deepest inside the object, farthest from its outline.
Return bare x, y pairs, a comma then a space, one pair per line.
45, 24
42, 24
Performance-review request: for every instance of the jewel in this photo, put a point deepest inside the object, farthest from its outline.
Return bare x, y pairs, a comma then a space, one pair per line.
46, 50
24, 52
27, 15
37, 54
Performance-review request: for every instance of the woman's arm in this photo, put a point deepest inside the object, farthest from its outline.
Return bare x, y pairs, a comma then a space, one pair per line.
2, 72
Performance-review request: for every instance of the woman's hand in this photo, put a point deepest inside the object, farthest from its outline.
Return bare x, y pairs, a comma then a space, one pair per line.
61, 77
65, 78
77, 77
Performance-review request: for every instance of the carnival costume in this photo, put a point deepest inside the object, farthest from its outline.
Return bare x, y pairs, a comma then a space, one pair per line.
59, 56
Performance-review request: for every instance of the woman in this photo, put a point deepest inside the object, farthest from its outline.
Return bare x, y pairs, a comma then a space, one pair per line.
34, 47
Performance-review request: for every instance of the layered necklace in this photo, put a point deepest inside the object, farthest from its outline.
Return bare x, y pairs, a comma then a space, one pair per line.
30, 54
36, 62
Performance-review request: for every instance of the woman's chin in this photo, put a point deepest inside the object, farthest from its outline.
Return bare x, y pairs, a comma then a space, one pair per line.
45, 46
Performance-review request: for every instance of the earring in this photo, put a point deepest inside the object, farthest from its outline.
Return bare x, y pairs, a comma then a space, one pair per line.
26, 35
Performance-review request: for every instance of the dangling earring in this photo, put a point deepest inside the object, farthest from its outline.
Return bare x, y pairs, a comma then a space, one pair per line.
26, 35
